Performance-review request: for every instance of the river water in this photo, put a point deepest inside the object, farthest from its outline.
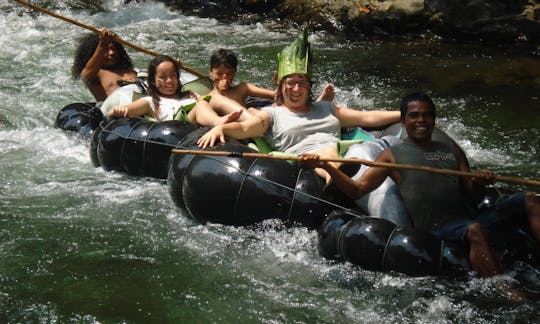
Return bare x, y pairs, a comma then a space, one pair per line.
78, 244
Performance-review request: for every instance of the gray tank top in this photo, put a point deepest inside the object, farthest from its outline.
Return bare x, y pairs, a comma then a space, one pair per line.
297, 133
431, 199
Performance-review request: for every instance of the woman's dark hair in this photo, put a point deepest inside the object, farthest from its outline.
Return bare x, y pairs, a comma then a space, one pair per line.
225, 57
152, 88
416, 96
87, 47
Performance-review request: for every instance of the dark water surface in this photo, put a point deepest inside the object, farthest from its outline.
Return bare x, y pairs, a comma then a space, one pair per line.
78, 244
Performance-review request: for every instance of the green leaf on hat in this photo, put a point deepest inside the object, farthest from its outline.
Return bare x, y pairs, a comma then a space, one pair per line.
295, 58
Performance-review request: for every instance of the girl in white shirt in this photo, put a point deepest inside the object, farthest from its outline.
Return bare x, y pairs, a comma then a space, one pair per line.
166, 98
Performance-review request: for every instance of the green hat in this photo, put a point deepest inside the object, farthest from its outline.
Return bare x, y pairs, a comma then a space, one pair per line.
295, 58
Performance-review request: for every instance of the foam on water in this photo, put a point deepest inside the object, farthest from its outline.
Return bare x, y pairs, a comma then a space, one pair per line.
91, 232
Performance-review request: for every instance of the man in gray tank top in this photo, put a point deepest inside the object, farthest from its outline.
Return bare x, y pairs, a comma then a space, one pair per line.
435, 202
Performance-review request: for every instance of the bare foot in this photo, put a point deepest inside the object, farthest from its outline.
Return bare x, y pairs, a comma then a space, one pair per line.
325, 175
230, 117
328, 93
532, 204
481, 256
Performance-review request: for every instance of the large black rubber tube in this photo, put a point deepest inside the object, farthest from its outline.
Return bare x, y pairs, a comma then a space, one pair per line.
79, 118
415, 252
94, 142
137, 146
244, 191
377, 244
328, 234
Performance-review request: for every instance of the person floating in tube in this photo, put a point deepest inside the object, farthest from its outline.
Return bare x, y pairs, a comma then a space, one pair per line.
296, 124
434, 202
101, 63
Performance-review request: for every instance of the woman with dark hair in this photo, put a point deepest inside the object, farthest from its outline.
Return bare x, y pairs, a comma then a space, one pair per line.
101, 62
166, 101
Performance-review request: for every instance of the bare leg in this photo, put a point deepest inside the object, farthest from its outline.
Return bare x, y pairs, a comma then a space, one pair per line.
481, 256
327, 94
329, 153
224, 106
204, 115
532, 204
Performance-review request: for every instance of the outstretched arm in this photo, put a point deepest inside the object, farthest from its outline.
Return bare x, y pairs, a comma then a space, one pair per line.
256, 91
372, 118
355, 189
137, 108
254, 126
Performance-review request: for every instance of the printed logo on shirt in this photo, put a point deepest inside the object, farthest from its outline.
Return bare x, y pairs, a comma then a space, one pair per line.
439, 156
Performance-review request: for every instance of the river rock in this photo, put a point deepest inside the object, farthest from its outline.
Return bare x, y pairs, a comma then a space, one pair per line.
496, 20
493, 21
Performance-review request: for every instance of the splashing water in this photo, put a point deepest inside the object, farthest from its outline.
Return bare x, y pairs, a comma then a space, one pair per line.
81, 244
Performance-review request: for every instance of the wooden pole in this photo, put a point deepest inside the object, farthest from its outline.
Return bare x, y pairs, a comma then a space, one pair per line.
97, 31
396, 166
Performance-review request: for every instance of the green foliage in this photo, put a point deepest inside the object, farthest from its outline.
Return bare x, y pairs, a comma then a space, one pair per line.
296, 58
